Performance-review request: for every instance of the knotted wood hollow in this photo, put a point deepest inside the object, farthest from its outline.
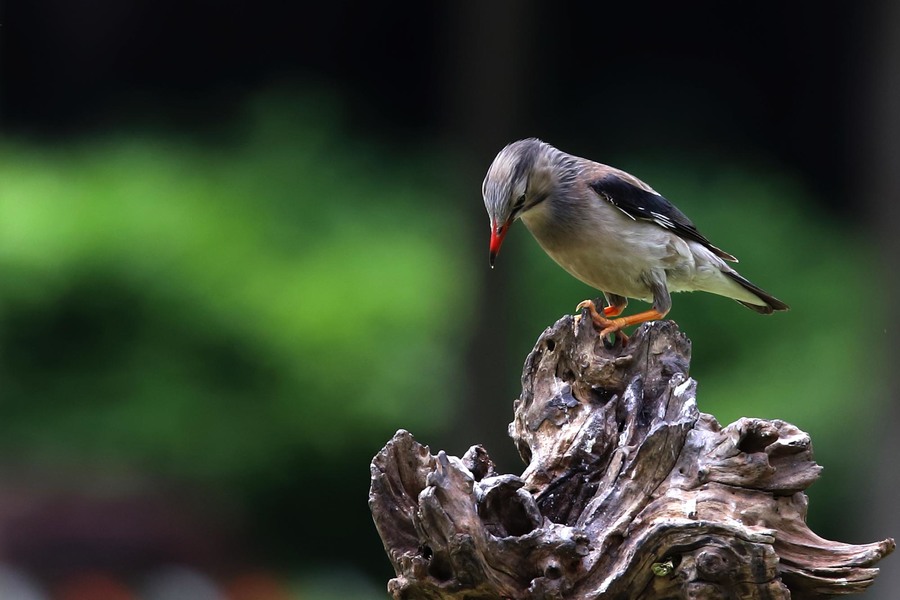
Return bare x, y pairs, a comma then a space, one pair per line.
630, 492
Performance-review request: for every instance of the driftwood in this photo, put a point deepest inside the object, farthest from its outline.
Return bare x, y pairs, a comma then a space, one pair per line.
630, 492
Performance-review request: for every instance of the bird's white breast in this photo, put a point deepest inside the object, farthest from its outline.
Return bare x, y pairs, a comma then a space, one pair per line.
608, 250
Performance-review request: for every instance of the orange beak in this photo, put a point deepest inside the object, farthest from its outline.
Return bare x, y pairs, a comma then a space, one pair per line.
498, 232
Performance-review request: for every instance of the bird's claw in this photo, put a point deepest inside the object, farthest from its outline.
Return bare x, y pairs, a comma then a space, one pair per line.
605, 326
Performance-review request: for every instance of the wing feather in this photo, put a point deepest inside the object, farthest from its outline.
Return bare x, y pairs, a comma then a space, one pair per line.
639, 202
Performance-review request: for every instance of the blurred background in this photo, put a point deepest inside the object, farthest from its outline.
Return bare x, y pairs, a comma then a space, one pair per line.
242, 243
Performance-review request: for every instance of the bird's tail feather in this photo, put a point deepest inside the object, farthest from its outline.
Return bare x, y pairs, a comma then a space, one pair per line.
769, 304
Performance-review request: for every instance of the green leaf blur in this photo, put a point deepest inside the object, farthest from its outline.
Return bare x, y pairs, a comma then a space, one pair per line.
201, 309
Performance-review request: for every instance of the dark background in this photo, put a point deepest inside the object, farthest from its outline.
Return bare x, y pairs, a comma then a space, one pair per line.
782, 84
165, 429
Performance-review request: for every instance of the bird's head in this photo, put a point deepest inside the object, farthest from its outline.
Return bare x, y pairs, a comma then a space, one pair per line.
512, 186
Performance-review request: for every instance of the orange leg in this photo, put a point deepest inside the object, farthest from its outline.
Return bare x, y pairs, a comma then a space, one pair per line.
608, 326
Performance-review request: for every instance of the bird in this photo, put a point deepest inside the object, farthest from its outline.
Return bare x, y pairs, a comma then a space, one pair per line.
610, 230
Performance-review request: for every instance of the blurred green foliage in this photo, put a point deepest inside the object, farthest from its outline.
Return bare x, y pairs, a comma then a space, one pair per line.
203, 309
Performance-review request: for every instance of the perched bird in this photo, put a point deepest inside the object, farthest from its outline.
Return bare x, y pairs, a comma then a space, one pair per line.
610, 230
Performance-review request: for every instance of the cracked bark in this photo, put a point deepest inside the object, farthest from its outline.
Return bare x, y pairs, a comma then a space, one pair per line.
630, 492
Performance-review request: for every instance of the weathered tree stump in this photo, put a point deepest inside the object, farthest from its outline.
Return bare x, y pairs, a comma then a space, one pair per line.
630, 492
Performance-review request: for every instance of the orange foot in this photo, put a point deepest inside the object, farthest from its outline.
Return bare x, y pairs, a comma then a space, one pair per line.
614, 326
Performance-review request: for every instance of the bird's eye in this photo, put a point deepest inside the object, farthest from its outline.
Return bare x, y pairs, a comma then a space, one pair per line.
521, 200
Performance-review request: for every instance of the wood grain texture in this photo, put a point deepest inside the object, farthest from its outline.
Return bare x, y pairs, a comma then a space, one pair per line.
630, 492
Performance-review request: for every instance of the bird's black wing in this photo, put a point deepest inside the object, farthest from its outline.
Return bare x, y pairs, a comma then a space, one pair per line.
645, 205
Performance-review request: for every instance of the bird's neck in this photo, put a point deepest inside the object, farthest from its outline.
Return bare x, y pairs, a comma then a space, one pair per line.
554, 172
555, 210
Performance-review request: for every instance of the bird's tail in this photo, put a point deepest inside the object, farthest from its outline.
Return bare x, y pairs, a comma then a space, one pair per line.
767, 302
